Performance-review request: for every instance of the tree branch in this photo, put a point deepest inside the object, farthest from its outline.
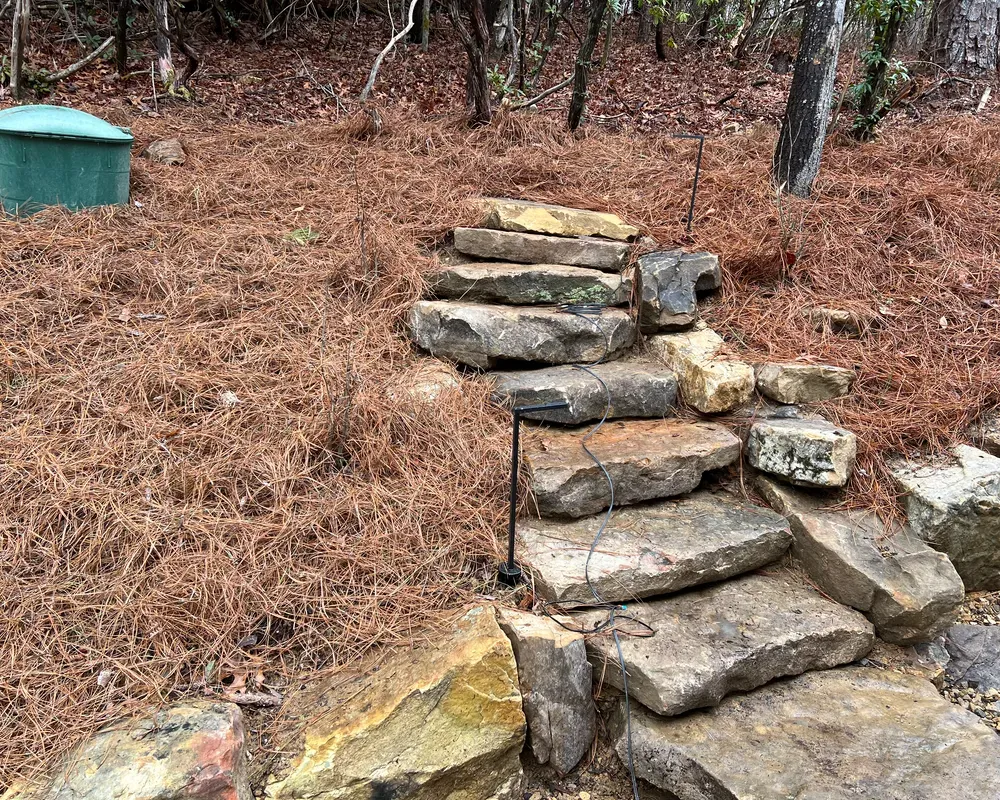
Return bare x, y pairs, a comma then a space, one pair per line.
551, 90
378, 61
72, 69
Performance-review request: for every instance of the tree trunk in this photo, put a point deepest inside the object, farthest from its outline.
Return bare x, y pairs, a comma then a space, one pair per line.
963, 36
425, 27
645, 26
661, 45
476, 41
872, 104
18, 47
164, 58
121, 37
803, 130
583, 60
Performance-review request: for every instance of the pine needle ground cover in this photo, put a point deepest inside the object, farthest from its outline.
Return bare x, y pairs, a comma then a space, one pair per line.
208, 469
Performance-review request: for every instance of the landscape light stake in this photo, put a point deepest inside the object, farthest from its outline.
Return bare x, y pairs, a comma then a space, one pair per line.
697, 171
509, 572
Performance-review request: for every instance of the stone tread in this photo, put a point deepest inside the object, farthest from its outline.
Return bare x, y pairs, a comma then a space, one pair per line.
529, 284
530, 248
652, 549
646, 459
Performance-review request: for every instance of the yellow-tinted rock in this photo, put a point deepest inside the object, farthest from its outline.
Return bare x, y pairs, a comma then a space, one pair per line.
708, 379
524, 216
436, 723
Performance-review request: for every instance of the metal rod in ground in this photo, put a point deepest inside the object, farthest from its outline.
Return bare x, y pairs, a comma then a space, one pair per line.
509, 573
697, 172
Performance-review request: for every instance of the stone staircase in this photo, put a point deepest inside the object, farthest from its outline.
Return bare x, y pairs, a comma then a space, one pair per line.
696, 568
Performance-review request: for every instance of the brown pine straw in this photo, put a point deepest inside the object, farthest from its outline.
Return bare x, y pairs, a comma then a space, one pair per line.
149, 530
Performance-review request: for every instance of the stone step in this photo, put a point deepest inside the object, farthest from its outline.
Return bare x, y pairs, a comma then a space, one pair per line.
730, 637
528, 217
530, 284
909, 592
845, 734
482, 335
652, 549
532, 248
636, 389
646, 459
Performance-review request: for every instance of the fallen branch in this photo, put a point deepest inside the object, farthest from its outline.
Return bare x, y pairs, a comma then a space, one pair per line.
72, 69
551, 90
392, 43
261, 699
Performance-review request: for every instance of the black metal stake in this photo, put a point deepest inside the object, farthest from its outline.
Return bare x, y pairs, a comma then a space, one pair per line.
509, 572
697, 171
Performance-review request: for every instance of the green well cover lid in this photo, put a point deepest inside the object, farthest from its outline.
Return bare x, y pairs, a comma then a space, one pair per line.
60, 123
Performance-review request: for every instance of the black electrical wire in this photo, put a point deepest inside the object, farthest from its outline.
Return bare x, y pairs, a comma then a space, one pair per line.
585, 311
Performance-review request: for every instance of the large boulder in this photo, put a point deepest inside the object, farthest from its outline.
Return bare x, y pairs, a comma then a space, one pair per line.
439, 721
975, 655
955, 508
530, 248
709, 379
528, 217
557, 686
730, 637
844, 734
669, 283
632, 388
803, 452
190, 751
530, 284
803, 383
652, 549
909, 592
480, 335
646, 460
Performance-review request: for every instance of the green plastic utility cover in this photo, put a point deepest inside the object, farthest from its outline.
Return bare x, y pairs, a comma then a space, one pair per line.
50, 155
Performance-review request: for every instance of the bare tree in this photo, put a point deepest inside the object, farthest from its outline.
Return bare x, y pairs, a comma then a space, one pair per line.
583, 62
476, 40
963, 36
18, 46
803, 130
164, 58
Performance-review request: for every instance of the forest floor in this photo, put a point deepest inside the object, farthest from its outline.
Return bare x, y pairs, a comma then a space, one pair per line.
149, 521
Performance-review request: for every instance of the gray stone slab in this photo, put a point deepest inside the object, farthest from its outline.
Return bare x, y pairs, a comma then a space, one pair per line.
803, 383
730, 637
646, 459
652, 549
909, 591
530, 248
557, 686
844, 734
975, 655
481, 335
530, 217
530, 284
955, 508
633, 388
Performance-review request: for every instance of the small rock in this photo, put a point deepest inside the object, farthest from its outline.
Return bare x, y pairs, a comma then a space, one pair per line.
708, 379
228, 399
975, 655
844, 734
166, 151
530, 284
652, 549
837, 320
803, 383
185, 751
646, 459
556, 683
425, 382
530, 248
442, 721
803, 452
730, 637
986, 434
528, 217
634, 389
669, 283
955, 508
480, 335
910, 595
